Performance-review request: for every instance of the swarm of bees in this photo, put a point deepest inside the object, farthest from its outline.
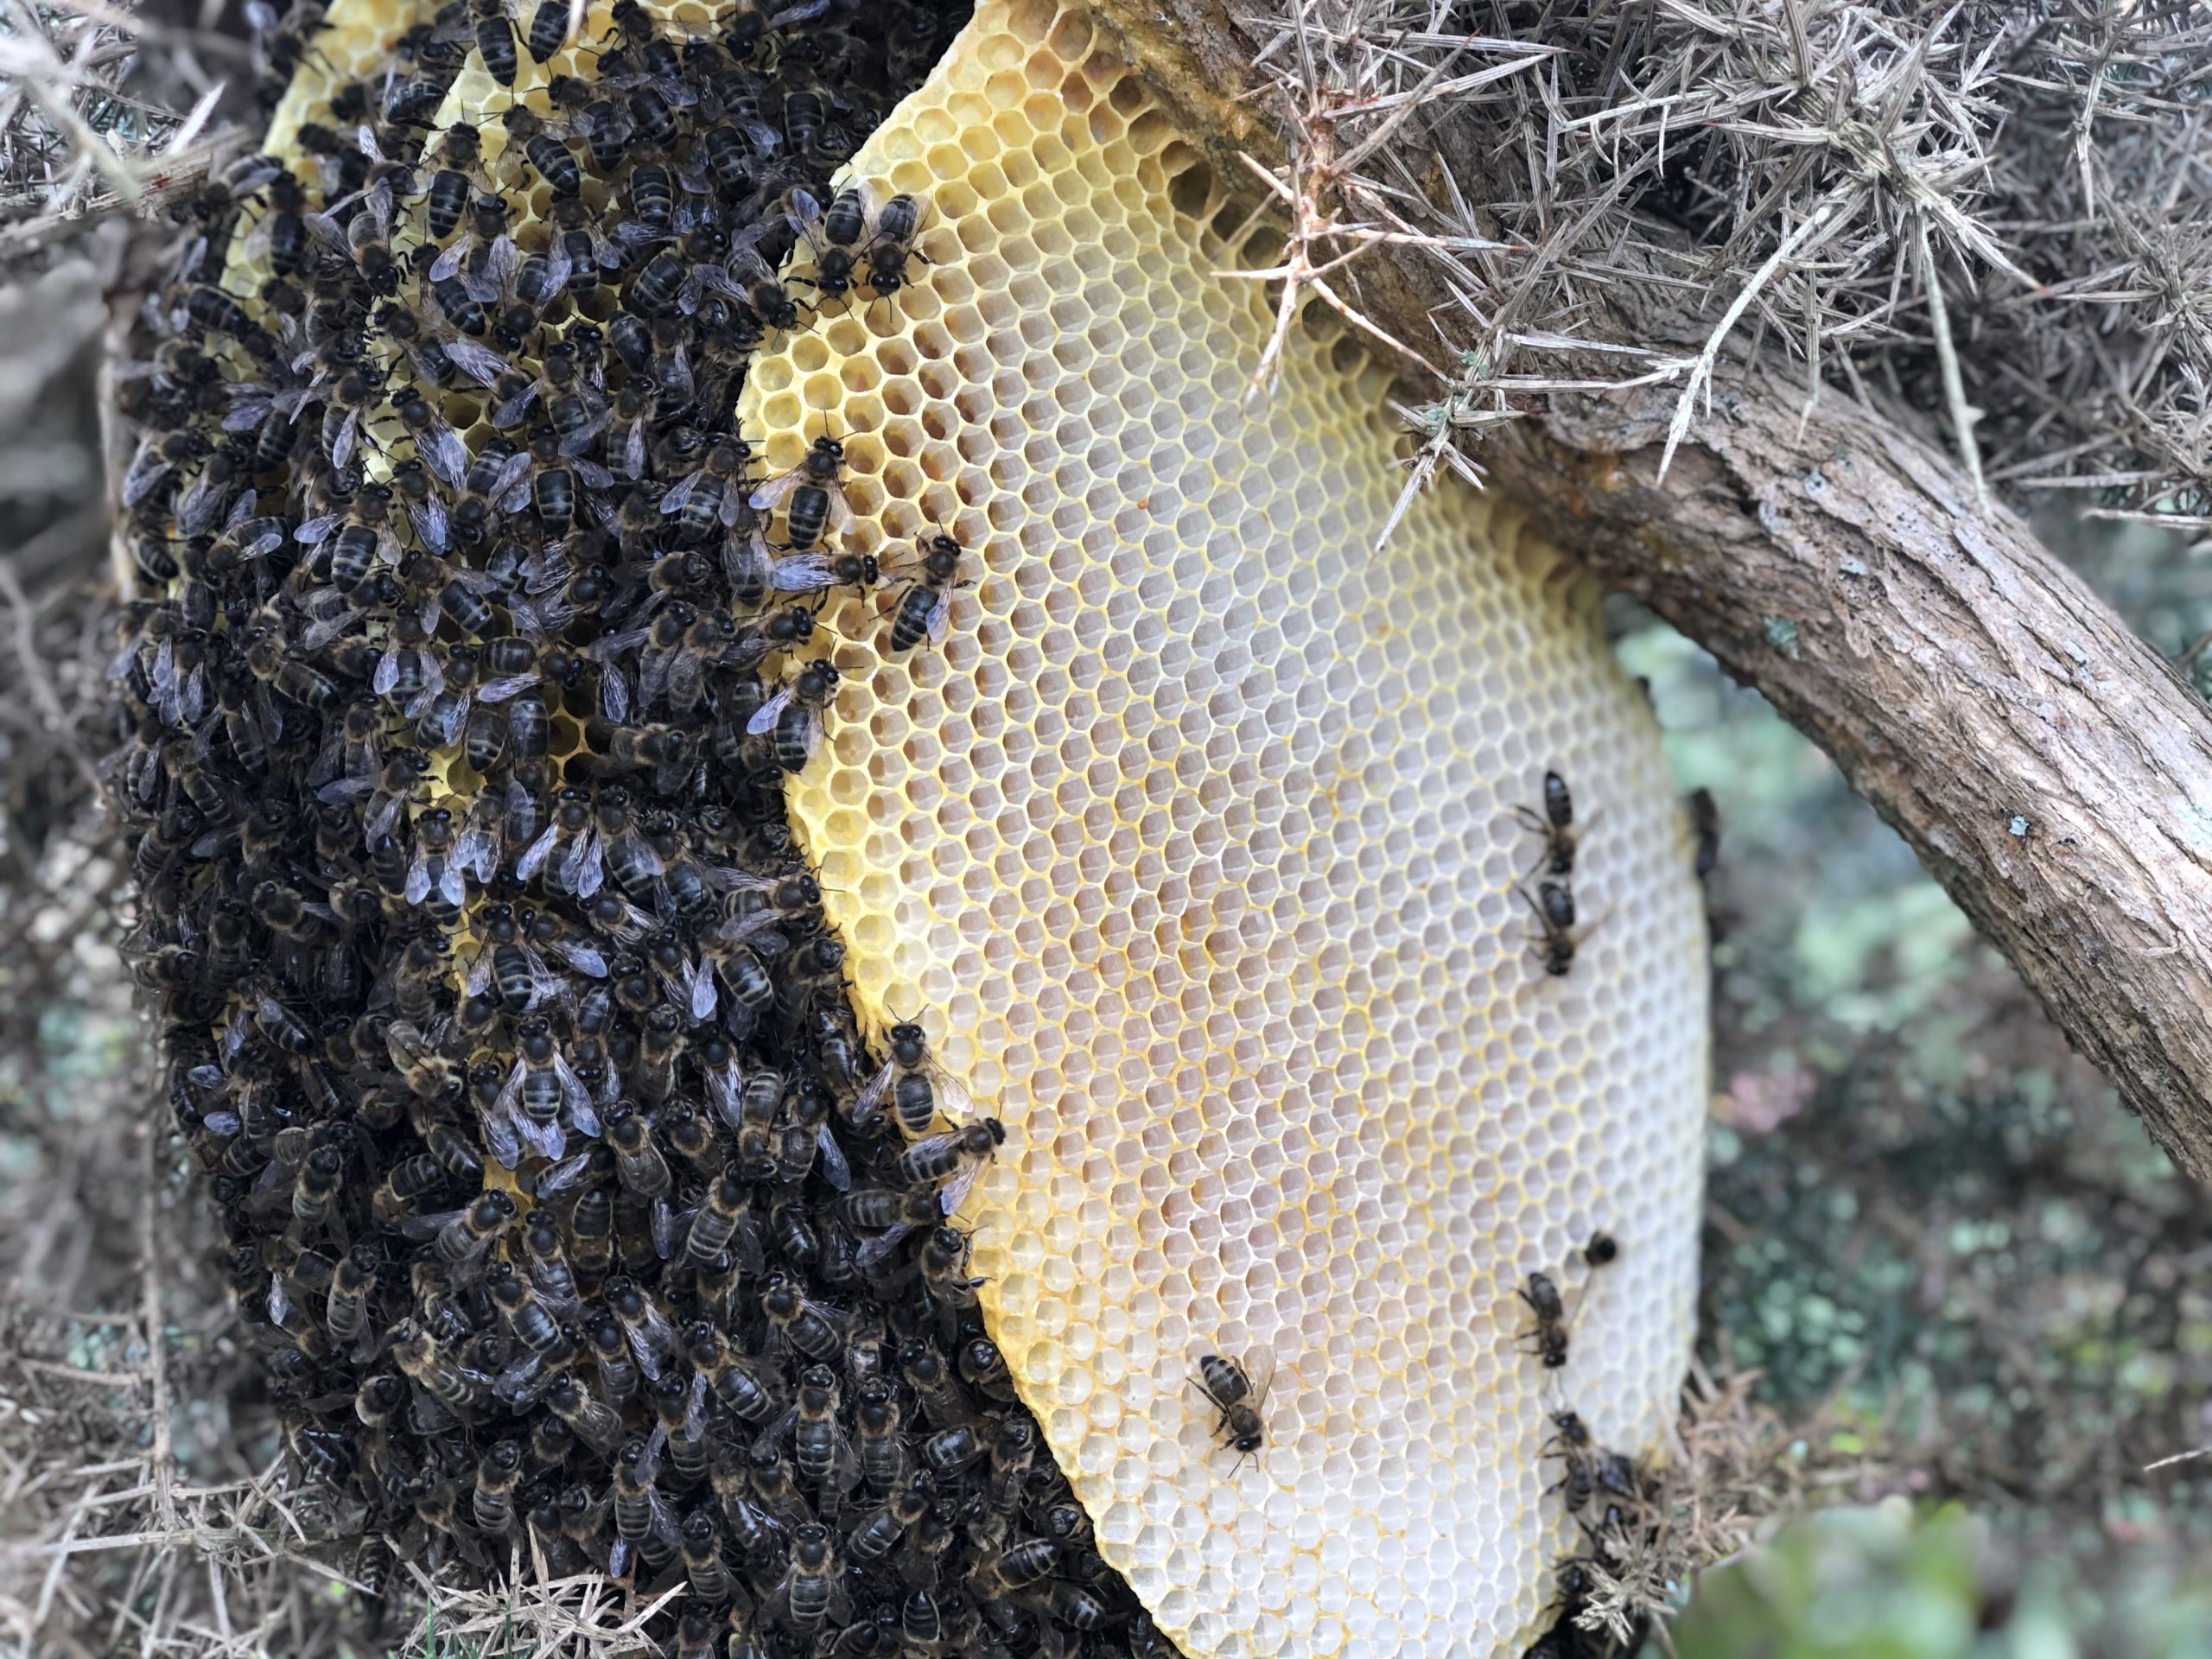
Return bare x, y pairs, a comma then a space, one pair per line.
1605, 1492
500, 1014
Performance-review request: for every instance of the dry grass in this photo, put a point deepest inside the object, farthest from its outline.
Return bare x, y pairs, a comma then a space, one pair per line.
1733, 1472
1998, 213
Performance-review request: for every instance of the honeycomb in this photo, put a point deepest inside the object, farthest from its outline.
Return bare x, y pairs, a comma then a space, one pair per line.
1192, 846
1193, 849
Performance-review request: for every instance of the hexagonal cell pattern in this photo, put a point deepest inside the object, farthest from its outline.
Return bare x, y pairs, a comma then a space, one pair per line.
1192, 847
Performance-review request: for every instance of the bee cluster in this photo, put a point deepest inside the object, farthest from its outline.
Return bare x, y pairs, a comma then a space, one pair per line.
500, 1013
1605, 1492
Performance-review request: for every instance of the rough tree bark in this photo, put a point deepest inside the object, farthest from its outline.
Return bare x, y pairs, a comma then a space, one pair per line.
2051, 770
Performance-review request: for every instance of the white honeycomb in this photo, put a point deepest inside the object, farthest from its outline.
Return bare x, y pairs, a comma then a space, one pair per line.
1192, 847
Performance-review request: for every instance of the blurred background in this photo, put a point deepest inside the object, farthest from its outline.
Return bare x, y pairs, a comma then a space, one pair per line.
1961, 1293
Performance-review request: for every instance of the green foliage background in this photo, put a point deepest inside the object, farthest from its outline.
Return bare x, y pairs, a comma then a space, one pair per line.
1925, 1213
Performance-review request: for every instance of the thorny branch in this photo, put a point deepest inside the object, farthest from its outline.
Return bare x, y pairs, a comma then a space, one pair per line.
1999, 214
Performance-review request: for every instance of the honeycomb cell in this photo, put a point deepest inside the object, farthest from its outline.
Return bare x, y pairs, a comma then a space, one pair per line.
1199, 851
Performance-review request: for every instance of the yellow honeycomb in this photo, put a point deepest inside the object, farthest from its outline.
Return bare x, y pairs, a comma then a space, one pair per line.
1192, 848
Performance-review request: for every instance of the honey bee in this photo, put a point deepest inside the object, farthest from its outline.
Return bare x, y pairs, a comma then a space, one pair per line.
712, 493
917, 1086
538, 1090
436, 444
794, 714
809, 1594
1555, 910
892, 245
598, 1425
816, 490
805, 1326
1705, 825
1556, 826
835, 235
346, 1309
1228, 1386
742, 1387
926, 603
1541, 1294
951, 1161
498, 1472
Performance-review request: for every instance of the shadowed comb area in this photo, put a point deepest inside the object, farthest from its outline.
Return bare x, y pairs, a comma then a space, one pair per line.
829, 943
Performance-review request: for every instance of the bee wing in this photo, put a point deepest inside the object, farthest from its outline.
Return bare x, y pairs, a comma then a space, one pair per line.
318, 529
573, 1094
479, 287
805, 216
546, 1140
939, 614
479, 363
449, 260
800, 575
582, 956
511, 413
695, 1408
452, 886
432, 527
387, 674
341, 447
835, 1169
534, 857
511, 473
870, 1098
770, 494
557, 264
614, 693
319, 634
479, 974
581, 439
580, 865
420, 1227
584, 1119
771, 1438
724, 1087
564, 1174
841, 511
447, 456
955, 1192
680, 492
701, 997
879, 1248
504, 260
952, 1098
500, 690
745, 559
147, 470
591, 473
664, 1229
642, 1349
765, 716
418, 876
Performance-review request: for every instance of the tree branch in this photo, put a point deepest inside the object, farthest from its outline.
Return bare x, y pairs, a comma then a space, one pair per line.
2051, 770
